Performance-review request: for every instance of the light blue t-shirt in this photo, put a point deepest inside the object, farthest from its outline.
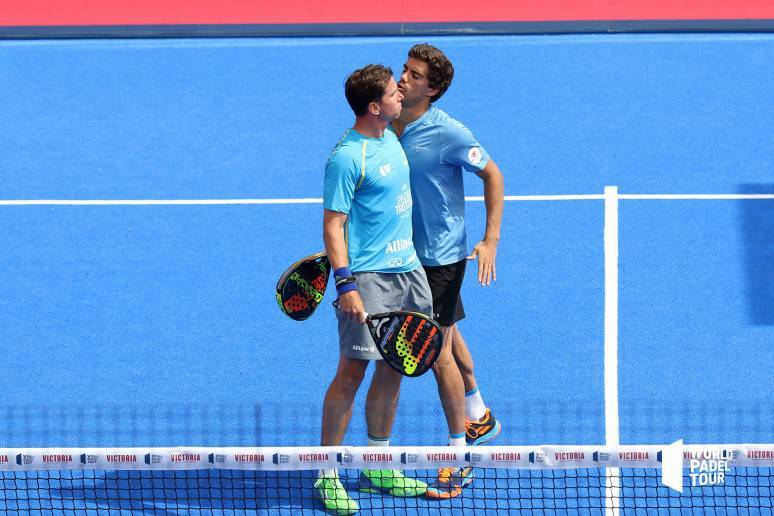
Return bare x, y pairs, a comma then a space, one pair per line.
368, 179
438, 149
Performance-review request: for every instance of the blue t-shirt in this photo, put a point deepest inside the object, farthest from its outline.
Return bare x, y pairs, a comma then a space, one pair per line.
438, 149
368, 179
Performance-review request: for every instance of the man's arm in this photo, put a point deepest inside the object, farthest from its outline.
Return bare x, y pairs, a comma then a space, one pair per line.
486, 249
333, 236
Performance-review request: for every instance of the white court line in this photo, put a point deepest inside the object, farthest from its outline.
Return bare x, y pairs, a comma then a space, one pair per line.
151, 202
194, 202
317, 200
612, 475
694, 197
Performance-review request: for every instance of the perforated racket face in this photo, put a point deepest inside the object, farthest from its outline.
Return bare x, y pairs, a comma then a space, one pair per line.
302, 287
408, 342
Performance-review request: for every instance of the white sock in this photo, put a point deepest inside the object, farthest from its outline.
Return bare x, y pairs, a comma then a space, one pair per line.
330, 473
378, 441
474, 405
457, 440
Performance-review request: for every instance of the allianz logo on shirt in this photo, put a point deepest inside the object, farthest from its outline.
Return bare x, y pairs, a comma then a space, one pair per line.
397, 245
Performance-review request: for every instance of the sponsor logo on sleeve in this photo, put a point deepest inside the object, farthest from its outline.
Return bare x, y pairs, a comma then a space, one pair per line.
474, 155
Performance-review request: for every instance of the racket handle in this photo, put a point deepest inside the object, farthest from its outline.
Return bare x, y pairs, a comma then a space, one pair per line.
367, 315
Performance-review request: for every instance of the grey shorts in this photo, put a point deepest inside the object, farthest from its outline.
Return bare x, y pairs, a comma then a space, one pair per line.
382, 292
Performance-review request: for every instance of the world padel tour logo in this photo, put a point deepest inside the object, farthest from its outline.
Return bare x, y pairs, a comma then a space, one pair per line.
344, 458
280, 458
153, 459
708, 466
24, 460
473, 457
537, 457
216, 458
409, 458
600, 456
88, 459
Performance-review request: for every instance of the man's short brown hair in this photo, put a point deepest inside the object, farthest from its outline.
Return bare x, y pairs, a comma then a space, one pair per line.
440, 70
366, 85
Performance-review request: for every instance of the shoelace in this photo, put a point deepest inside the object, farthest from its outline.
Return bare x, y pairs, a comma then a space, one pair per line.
445, 474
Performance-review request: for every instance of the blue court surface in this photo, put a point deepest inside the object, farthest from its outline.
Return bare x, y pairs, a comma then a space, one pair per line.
156, 325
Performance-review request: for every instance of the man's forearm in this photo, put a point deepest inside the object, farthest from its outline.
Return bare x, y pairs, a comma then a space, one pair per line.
494, 191
333, 236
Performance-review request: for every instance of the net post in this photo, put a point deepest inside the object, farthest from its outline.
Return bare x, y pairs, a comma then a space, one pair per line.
672, 466
612, 475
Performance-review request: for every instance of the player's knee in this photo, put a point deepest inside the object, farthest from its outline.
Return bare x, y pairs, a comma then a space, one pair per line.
349, 377
444, 362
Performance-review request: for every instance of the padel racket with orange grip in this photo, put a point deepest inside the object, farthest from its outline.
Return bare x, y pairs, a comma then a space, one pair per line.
409, 342
301, 288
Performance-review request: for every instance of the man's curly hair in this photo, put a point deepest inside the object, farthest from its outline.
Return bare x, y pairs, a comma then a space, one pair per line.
440, 69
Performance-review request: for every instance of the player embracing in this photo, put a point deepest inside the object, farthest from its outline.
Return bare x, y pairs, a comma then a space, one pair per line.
439, 149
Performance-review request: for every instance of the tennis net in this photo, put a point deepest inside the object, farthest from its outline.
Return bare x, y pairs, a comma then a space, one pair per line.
718, 479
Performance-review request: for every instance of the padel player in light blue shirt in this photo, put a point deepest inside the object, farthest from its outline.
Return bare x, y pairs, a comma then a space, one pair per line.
368, 238
440, 150
378, 228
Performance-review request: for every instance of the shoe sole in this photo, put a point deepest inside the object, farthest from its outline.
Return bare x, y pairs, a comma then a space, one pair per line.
443, 495
455, 492
397, 492
488, 437
337, 511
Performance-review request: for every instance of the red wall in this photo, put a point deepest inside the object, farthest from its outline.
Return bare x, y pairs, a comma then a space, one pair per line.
133, 12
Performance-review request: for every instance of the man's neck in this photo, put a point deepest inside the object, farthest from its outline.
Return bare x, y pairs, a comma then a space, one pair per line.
369, 126
409, 114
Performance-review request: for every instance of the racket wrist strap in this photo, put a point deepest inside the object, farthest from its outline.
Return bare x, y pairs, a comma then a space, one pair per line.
345, 280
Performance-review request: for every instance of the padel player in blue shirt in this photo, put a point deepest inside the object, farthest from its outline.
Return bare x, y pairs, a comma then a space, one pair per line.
439, 150
367, 230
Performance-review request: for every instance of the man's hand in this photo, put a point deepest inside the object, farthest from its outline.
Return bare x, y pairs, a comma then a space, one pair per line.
351, 304
486, 252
